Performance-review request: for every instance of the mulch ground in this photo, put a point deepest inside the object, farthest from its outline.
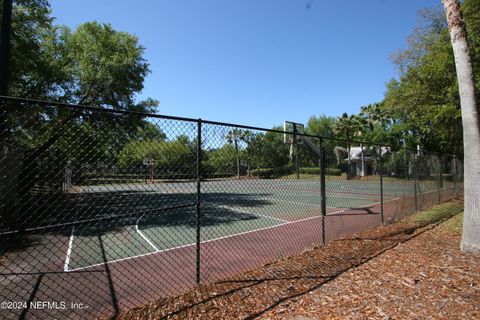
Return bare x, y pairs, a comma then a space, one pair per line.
411, 269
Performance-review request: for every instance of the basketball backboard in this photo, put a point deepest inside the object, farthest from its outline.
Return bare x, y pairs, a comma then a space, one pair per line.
289, 127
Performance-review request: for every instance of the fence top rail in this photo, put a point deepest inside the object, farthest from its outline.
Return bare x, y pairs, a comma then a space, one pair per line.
186, 119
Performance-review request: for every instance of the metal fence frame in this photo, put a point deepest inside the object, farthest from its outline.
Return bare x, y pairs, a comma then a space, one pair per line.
200, 175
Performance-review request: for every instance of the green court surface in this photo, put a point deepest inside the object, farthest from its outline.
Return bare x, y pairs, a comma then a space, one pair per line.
96, 244
228, 208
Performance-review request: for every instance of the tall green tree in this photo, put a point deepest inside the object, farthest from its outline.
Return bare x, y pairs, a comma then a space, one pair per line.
93, 64
235, 137
323, 126
346, 127
106, 67
268, 150
35, 67
425, 98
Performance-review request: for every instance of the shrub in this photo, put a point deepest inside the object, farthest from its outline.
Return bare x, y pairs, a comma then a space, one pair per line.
316, 171
271, 172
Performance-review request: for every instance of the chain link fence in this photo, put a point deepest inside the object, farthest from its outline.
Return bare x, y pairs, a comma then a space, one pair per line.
105, 210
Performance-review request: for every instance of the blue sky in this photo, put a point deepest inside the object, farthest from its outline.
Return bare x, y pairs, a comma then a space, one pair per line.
259, 62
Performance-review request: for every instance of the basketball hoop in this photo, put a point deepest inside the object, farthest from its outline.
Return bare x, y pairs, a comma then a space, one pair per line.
290, 130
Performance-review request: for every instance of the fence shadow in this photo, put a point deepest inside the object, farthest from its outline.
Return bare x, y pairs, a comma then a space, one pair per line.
293, 277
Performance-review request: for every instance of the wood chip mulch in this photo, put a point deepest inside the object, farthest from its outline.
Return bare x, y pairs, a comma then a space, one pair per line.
406, 270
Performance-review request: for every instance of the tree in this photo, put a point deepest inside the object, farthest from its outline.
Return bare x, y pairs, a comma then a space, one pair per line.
94, 64
471, 126
248, 136
106, 66
323, 126
425, 100
347, 126
267, 150
34, 64
235, 136
170, 158
222, 161
360, 123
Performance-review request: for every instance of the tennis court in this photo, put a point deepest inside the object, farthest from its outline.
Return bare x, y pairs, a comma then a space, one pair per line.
162, 217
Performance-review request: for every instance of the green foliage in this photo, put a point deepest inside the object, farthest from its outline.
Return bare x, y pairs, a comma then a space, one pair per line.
94, 65
322, 125
316, 171
221, 161
35, 66
106, 66
425, 99
267, 150
272, 172
422, 106
168, 156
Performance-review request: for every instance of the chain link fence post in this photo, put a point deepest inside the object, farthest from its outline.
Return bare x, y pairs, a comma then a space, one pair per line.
381, 185
440, 177
198, 198
417, 184
295, 143
415, 191
323, 194
455, 175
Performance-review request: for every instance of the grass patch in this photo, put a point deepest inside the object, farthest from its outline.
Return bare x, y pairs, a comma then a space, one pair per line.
453, 226
438, 213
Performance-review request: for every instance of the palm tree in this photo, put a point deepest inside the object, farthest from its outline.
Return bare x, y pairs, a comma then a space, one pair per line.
471, 126
247, 137
376, 117
346, 126
374, 114
235, 136
360, 124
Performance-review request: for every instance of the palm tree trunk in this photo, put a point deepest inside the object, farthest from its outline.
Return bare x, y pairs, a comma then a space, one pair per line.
471, 126
238, 158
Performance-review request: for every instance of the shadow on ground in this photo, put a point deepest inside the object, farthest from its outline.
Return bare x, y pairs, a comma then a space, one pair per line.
254, 293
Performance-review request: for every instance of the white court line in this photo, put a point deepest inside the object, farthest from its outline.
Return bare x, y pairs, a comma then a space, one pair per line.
144, 236
243, 211
361, 207
69, 251
319, 205
211, 240
292, 202
182, 246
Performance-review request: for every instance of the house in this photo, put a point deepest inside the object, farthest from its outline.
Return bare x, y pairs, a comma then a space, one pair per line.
362, 160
